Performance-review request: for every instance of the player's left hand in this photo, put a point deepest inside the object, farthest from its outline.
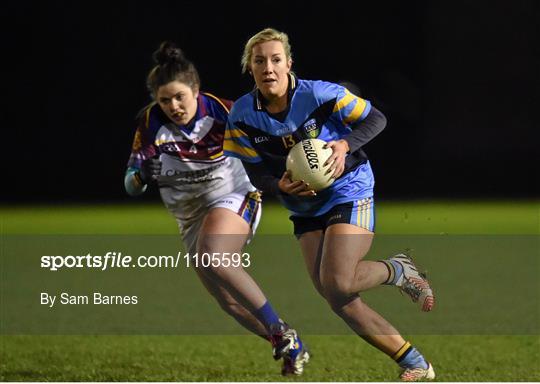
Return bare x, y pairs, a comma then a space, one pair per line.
290, 187
151, 169
337, 159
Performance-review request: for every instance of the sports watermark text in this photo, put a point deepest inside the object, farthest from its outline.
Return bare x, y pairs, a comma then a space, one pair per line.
118, 260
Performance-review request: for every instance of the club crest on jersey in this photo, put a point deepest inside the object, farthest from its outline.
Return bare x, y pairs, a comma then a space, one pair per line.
311, 129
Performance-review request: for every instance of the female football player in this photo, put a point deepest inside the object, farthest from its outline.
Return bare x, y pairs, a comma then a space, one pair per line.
179, 145
335, 226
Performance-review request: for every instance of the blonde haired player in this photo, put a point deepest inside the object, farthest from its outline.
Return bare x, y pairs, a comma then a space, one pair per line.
335, 226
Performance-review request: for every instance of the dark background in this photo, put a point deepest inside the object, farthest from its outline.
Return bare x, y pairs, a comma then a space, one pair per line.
458, 81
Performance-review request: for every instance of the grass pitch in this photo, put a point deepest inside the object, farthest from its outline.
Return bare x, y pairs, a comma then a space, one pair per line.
246, 358
336, 357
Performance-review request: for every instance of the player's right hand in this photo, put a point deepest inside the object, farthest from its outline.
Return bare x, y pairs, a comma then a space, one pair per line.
151, 169
299, 188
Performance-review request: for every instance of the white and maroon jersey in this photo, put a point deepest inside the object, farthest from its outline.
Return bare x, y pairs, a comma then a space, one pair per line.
193, 163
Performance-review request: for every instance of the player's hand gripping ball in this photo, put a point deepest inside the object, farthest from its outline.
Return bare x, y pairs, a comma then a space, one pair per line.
305, 161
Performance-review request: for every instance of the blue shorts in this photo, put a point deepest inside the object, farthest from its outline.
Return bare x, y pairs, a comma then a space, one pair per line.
360, 213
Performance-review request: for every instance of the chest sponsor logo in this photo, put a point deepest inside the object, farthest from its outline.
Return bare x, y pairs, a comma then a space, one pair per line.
261, 139
194, 177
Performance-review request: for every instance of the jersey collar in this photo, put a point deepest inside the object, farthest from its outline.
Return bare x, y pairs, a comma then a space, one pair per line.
258, 98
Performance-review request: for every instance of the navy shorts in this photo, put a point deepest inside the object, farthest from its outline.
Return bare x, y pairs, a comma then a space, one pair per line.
360, 213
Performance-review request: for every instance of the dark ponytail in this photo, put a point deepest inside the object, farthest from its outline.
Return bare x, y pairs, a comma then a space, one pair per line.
171, 65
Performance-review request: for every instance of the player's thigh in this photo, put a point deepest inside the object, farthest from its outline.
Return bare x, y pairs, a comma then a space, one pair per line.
348, 235
224, 221
344, 246
223, 230
234, 213
311, 245
231, 220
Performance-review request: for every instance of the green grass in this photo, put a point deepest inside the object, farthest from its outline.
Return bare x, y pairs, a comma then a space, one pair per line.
245, 358
469, 217
339, 357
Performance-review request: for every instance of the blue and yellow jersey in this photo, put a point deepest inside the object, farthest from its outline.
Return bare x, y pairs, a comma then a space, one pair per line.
317, 109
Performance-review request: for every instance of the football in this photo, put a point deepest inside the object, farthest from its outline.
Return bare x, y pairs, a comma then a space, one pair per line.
305, 161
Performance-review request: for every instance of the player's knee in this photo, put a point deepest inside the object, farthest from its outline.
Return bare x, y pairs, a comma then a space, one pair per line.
337, 285
207, 245
336, 290
338, 303
211, 263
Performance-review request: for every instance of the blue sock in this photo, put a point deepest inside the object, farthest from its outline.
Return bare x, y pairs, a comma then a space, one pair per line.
395, 271
267, 316
411, 358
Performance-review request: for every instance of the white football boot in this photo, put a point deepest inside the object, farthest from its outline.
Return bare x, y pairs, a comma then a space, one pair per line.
287, 345
417, 374
414, 283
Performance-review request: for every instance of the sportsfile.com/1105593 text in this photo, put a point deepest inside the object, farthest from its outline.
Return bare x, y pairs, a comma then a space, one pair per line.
118, 260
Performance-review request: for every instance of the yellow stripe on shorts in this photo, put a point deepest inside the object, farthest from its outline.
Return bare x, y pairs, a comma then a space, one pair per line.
363, 215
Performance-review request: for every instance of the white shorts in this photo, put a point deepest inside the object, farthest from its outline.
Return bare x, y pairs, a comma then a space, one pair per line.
247, 204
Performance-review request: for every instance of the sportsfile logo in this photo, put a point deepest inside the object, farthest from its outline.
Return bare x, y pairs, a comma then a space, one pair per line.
311, 155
